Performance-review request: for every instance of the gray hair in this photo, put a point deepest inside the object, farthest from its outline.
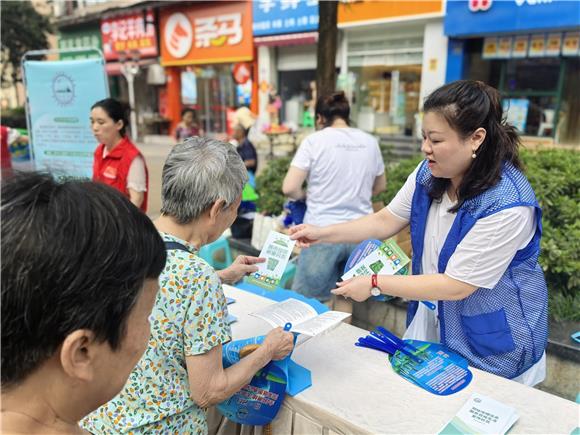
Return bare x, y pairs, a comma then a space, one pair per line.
196, 174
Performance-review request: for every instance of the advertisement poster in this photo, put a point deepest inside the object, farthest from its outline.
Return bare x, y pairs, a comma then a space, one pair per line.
571, 45
537, 46
504, 48
554, 44
490, 48
60, 95
520, 46
517, 112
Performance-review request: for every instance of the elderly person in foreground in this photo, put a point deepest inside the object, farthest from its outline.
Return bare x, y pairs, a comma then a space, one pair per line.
79, 278
181, 372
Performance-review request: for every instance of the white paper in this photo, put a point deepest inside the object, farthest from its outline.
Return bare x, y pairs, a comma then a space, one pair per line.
482, 415
321, 323
304, 319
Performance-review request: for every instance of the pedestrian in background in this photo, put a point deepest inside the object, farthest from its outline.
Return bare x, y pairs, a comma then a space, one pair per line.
117, 161
80, 265
188, 127
344, 168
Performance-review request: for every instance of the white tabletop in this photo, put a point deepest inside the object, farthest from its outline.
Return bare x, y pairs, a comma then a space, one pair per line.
355, 390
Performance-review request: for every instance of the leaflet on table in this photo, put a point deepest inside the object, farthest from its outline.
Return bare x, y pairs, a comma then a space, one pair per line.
276, 251
304, 319
387, 259
481, 415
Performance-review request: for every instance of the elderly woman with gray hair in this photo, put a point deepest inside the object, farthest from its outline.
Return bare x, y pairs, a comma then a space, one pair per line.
181, 372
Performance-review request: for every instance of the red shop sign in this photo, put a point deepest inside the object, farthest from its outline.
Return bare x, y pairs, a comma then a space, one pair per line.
242, 73
129, 33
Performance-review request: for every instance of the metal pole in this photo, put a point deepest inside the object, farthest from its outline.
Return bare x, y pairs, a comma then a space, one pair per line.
130, 71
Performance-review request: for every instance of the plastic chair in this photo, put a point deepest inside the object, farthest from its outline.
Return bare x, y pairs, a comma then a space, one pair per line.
218, 254
288, 275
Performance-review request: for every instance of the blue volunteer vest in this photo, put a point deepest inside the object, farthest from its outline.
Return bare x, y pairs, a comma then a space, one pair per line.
502, 330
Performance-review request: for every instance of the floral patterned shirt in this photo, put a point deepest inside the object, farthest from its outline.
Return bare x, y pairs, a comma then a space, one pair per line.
189, 318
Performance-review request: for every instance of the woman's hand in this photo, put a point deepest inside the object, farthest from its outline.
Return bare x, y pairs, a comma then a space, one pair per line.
305, 235
243, 265
279, 343
357, 288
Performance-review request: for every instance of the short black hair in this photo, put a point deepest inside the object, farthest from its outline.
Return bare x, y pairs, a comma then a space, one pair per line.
187, 110
75, 255
116, 110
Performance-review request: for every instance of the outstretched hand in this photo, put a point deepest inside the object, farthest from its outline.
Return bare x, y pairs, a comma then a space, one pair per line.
243, 265
305, 235
357, 288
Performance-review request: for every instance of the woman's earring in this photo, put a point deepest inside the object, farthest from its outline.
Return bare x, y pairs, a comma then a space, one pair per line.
473, 155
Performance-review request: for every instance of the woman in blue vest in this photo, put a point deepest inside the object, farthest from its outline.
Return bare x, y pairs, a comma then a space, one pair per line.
475, 231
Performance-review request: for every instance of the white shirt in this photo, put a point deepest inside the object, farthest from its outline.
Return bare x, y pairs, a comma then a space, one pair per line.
342, 165
480, 259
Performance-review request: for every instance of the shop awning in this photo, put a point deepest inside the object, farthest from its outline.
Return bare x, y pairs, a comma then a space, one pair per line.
288, 39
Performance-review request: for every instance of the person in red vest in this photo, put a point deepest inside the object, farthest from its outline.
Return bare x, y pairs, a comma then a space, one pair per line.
6, 164
117, 161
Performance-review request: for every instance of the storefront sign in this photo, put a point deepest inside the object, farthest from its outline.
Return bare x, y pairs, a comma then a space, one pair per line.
490, 46
537, 46
242, 73
508, 16
571, 44
206, 33
132, 33
553, 44
80, 39
59, 99
272, 17
362, 12
520, 46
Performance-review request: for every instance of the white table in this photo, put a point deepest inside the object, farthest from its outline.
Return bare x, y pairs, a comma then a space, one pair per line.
355, 391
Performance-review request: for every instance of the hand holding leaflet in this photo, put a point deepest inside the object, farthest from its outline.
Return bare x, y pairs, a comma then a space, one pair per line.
276, 251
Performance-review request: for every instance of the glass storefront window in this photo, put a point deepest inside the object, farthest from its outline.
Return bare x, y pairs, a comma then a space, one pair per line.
532, 75
386, 98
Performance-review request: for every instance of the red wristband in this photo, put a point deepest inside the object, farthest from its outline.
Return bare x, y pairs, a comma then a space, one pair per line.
374, 280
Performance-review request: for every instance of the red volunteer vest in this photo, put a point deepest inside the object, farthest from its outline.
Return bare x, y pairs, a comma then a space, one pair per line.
113, 169
6, 164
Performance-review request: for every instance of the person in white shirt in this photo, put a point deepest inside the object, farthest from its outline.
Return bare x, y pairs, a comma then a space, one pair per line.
475, 231
343, 168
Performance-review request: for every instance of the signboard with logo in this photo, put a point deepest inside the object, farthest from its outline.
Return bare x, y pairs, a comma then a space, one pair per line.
214, 32
80, 39
129, 33
481, 17
59, 99
274, 17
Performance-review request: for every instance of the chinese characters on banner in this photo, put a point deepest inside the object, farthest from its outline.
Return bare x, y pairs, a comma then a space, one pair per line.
284, 16
213, 33
129, 33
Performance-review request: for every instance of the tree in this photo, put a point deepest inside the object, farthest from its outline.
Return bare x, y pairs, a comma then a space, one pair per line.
327, 44
23, 29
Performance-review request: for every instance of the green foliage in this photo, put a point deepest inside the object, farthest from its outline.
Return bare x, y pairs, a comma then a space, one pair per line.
564, 307
269, 186
23, 29
554, 176
396, 176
